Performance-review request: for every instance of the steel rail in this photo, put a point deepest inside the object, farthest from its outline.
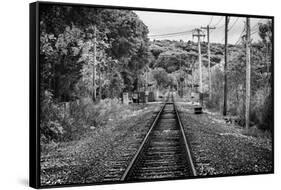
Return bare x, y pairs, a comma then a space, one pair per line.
142, 145
189, 157
138, 155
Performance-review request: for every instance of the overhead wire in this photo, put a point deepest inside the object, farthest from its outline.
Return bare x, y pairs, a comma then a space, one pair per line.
177, 35
170, 34
211, 20
233, 24
184, 33
218, 21
240, 36
253, 32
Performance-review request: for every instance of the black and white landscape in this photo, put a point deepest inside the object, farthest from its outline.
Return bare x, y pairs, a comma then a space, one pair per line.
134, 95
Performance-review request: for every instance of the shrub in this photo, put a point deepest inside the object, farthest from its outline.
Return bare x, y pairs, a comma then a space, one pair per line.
59, 122
52, 121
262, 108
255, 132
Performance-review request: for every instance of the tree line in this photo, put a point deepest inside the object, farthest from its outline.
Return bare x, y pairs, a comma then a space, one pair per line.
75, 41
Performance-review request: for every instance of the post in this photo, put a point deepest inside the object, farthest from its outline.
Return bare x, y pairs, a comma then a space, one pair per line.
225, 68
208, 28
199, 35
248, 72
200, 65
94, 65
146, 85
146, 79
192, 83
100, 82
181, 83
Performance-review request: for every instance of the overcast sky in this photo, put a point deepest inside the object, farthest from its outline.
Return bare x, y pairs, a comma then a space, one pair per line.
164, 23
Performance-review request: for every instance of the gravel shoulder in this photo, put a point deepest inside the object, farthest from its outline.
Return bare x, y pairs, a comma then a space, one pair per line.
102, 156
221, 149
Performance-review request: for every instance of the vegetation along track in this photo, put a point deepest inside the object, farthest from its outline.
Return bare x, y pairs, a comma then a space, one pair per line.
164, 152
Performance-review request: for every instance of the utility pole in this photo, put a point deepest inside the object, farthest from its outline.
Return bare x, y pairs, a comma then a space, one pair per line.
198, 33
248, 72
146, 78
181, 83
100, 69
146, 84
208, 28
225, 67
94, 63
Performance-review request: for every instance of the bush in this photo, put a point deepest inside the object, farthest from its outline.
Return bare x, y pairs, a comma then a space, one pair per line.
262, 108
52, 120
255, 132
71, 120
213, 104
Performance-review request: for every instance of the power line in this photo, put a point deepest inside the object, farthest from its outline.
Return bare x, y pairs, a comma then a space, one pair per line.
233, 24
218, 22
220, 26
177, 35
254, 27
169, 34
211, 20
254, 32
183, 33
257, 24
240, 36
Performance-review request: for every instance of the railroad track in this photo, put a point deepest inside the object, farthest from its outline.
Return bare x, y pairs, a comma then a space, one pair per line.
164, 152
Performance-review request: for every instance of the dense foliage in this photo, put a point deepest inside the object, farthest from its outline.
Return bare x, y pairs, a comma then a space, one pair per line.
67, 57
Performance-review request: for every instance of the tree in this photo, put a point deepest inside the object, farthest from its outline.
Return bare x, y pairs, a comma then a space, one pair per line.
68, 56
265, 33
162, 78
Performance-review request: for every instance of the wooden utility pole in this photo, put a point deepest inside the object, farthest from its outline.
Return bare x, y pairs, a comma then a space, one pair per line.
94, 63
192, 75
198, 33
181, 82
225, 68
146, 78
100, 82
248, 72
267, 57
208, 28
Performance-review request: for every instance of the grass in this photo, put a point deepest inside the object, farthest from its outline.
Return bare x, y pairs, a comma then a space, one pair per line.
258, 133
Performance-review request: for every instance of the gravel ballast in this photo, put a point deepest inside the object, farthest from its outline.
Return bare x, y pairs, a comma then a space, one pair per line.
221, 149
102, 156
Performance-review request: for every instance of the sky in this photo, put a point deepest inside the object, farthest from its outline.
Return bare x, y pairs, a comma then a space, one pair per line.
165, 23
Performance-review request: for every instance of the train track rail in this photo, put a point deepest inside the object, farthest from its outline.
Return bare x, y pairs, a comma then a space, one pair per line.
164, 153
